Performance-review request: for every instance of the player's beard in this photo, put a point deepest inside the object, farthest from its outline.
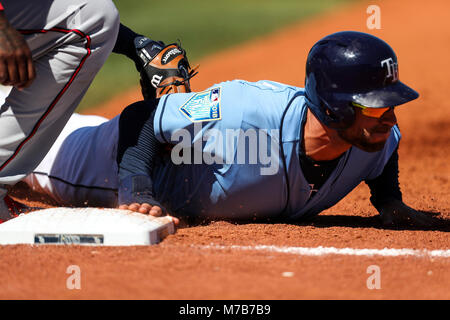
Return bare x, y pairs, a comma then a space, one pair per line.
362, 139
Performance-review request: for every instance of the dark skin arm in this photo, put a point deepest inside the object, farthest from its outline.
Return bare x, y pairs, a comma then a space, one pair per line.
16, 63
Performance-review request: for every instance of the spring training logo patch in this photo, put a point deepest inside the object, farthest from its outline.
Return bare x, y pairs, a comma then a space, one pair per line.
203, 106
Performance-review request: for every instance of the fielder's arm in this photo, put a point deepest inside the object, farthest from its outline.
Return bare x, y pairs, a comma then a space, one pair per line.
163, 68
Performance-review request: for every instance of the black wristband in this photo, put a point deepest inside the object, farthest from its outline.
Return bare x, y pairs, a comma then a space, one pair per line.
125, 44
386, 186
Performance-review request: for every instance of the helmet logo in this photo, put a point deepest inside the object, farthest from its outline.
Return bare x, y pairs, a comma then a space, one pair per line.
392, 68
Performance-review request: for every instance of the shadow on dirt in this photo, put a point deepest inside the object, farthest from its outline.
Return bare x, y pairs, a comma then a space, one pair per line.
331, 221
23, 192
327, 221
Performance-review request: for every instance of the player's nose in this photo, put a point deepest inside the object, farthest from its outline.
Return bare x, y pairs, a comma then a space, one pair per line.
389, 118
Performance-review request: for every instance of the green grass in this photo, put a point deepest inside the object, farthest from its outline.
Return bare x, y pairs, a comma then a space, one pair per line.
203, 26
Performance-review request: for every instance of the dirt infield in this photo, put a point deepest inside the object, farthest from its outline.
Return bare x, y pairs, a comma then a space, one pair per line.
221, 260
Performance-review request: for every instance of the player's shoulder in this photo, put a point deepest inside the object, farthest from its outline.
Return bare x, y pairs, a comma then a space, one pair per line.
261, 85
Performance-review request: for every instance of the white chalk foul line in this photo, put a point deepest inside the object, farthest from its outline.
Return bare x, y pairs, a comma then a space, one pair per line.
321, 251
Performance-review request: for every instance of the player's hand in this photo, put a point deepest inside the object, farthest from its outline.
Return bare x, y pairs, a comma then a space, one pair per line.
16, 63
146, 208
396, 213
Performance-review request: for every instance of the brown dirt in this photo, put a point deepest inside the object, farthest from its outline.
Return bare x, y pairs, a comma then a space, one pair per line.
175, 270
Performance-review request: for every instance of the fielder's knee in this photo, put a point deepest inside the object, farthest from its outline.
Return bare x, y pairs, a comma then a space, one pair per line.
102, 19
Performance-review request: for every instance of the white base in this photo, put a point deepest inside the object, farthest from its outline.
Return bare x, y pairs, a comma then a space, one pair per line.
85, 226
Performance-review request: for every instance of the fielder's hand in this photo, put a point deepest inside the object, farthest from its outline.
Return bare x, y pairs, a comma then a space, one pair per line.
396, 213
16, 63
146, 208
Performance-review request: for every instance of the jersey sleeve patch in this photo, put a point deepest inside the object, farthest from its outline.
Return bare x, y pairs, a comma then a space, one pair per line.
203, 106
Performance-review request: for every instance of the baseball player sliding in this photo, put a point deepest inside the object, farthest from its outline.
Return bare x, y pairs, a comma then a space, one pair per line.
50, 51
243, 150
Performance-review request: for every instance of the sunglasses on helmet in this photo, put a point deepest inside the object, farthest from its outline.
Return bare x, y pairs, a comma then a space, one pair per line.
371, 112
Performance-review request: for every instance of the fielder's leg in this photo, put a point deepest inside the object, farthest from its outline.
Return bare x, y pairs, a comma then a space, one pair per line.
46, 178
70, 41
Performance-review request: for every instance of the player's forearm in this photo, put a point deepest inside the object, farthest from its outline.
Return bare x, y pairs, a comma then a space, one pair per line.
135, 177
138, 148
386, 187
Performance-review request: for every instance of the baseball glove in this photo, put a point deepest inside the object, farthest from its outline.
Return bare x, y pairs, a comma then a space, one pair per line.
165, 68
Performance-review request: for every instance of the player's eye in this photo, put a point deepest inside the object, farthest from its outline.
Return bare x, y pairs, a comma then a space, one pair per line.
371, 112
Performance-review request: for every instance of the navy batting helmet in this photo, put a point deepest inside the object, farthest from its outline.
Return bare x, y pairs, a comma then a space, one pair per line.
352, 67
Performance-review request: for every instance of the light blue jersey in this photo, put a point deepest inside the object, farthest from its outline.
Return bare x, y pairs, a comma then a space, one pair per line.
238, 170
235, 185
